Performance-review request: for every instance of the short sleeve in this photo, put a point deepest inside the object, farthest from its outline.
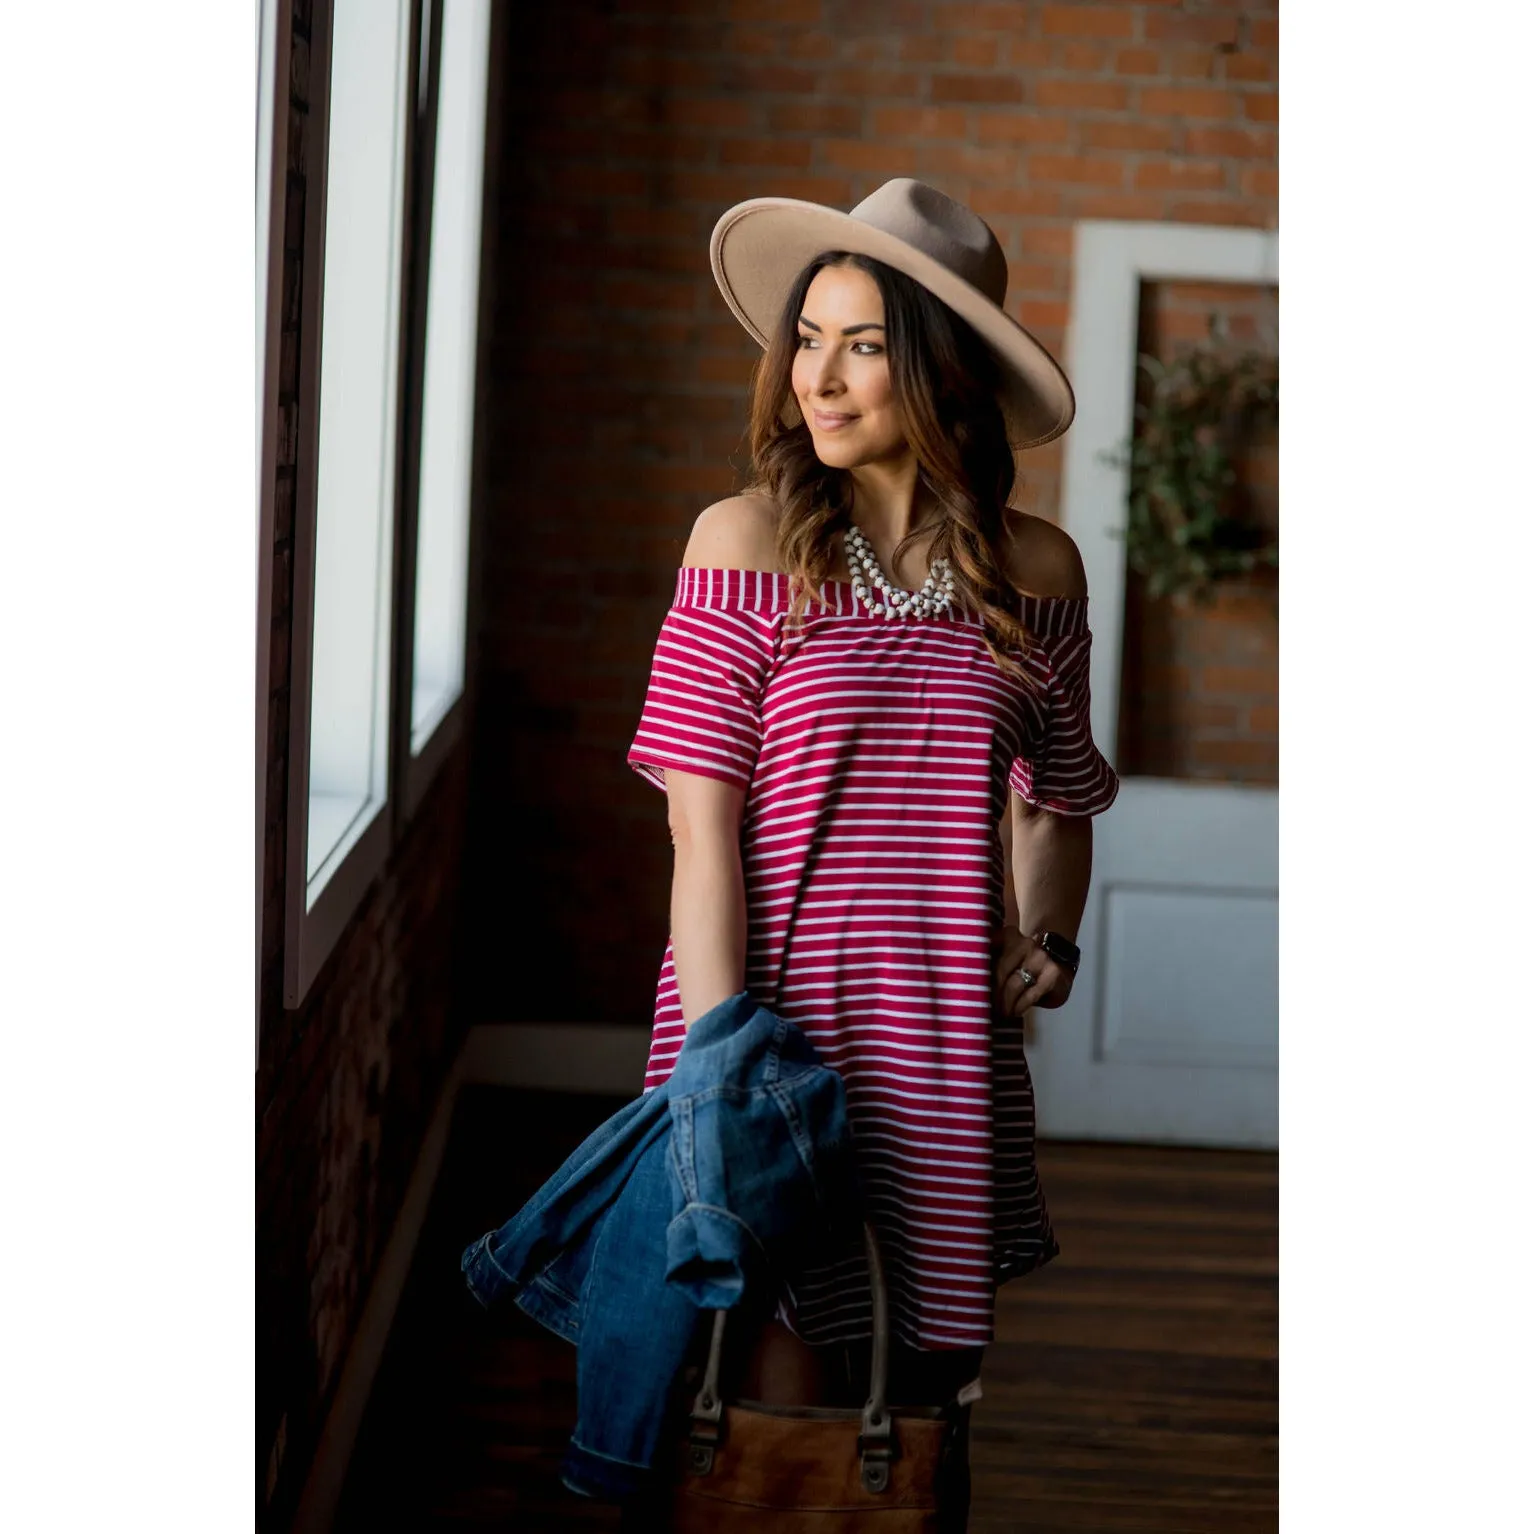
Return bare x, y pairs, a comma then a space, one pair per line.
1063, 770
703, 705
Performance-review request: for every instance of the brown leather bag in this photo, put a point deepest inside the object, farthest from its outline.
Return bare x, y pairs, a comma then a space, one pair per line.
766, 1469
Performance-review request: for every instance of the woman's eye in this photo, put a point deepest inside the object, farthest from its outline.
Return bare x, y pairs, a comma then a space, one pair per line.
873, 347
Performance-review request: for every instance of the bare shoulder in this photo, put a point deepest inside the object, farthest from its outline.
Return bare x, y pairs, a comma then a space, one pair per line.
738, 533
1041, 557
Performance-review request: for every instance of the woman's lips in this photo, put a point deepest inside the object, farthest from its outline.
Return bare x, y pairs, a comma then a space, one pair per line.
832, 421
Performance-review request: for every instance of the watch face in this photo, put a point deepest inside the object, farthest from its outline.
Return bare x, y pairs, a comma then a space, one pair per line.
1062, 950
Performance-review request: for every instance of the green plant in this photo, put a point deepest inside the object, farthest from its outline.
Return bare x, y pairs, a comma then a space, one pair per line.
1187, 526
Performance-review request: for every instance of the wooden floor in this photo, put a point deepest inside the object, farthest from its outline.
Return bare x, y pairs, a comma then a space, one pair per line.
1133, 1383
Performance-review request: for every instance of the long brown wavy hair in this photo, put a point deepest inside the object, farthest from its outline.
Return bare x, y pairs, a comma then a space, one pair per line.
944, 382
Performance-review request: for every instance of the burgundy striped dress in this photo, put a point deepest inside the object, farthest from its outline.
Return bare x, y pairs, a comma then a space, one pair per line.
875, 756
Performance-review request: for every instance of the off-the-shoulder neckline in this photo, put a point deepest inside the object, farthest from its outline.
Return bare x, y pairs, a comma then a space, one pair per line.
782, 575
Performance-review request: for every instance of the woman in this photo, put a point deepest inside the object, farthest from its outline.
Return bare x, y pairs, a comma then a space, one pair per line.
868, 707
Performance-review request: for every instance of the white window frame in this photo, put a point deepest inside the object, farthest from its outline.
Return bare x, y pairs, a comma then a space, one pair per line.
274, 47
443, 459
1112, 258
313, 926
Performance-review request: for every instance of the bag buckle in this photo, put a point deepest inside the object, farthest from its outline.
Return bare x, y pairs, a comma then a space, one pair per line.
706, 1432
878, 1448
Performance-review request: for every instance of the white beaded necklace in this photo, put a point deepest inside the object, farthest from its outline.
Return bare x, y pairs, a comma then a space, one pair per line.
935, 596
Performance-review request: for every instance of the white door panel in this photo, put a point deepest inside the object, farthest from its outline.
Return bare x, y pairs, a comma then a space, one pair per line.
1157, 938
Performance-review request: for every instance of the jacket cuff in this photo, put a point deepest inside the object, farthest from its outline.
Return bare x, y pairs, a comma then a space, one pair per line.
486, 1281
599, 1475
712, 1256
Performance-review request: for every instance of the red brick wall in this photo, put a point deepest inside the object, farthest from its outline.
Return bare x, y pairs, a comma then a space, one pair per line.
1199, 696
619, 375
345, 1084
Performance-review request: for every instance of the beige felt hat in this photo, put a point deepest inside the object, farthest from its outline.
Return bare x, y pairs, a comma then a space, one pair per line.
758, 248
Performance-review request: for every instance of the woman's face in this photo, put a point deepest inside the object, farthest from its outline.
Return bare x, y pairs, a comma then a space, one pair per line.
841, 375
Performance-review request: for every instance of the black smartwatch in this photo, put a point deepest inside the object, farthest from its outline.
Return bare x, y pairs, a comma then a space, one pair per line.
1061, 949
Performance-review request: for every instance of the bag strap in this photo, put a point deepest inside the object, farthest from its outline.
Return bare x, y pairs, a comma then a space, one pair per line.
877, 1444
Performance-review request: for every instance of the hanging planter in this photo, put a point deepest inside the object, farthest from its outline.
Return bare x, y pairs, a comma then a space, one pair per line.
1188, 527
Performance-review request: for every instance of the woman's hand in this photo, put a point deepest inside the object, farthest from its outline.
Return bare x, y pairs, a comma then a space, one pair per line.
1051, 981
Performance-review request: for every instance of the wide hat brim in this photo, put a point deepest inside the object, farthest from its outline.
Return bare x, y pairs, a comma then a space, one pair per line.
758, 247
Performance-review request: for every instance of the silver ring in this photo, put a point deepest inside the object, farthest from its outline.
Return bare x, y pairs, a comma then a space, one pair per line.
1027, 979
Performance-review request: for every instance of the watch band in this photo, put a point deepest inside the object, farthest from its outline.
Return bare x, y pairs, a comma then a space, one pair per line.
1061, 949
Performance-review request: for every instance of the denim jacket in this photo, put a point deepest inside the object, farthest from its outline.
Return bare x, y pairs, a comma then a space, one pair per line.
691, 1195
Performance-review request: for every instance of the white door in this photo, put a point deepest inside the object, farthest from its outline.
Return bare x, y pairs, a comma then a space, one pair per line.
1171, 1033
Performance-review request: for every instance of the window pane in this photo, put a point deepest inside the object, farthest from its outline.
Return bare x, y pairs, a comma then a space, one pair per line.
358, 406
447, 419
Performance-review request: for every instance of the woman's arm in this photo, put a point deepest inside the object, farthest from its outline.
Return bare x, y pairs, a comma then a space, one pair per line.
708, 890
708, 886
1051, 867
1048, 871
1048, 862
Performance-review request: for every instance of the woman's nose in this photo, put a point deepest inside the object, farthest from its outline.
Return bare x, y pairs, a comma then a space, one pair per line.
824, 378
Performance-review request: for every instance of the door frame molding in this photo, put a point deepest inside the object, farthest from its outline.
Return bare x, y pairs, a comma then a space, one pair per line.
1112, 258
